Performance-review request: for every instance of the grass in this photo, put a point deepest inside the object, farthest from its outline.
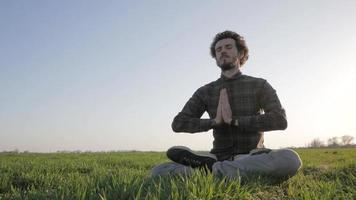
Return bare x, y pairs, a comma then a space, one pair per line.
326, 174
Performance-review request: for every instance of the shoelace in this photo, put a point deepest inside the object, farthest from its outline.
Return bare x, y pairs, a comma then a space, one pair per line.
192, 161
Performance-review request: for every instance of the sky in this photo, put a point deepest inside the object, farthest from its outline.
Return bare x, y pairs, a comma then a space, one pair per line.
111, 75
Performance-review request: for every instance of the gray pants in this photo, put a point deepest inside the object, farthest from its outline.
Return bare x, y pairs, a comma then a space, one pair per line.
277, 163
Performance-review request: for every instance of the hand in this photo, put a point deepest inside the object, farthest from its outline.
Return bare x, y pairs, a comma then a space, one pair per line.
225, 107
223, 113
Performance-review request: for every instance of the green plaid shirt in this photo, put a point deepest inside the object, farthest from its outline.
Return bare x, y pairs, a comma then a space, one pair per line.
254, 103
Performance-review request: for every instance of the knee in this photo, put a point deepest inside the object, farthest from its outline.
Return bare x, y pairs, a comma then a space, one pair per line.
291, 159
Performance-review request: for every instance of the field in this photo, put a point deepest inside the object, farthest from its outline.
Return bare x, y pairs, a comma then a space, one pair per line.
326, 174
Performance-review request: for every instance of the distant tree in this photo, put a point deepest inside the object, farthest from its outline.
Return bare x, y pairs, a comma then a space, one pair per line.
333, 142
346, 140
316, 143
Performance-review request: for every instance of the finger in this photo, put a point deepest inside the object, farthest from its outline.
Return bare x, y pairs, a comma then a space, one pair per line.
226, 114
221, 98
218, 110
225, 92
226, 98
223, 112
220, 95
222, 91
220, 103
226, 109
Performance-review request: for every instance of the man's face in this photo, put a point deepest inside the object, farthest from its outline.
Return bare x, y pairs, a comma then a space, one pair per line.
226, 54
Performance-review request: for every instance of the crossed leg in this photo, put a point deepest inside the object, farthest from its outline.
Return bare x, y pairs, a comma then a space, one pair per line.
278, 163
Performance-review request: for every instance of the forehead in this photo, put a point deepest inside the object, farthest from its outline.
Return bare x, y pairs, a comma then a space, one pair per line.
224, 42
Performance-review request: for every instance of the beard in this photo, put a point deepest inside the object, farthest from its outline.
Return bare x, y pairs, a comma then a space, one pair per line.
227, 65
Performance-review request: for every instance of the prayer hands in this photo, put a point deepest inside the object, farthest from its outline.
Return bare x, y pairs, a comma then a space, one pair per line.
223, 113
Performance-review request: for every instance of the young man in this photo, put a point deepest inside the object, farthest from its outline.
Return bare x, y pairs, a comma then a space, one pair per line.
240, 108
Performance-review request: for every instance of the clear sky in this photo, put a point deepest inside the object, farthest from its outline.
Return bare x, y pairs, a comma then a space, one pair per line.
111, 75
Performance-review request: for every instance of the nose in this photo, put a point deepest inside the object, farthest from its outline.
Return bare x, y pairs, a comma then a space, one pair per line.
224, 51
223, 54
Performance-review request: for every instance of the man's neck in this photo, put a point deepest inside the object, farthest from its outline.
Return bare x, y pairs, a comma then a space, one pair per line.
231, 72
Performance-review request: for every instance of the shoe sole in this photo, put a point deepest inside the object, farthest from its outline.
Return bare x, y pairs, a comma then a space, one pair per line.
185, 156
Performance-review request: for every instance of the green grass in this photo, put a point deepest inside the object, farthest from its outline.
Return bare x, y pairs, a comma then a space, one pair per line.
326, 174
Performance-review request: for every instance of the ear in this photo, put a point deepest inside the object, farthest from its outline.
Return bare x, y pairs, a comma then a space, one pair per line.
241, 54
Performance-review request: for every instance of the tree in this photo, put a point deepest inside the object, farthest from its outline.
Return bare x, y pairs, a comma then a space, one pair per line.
346, 140
316, 143
333, 142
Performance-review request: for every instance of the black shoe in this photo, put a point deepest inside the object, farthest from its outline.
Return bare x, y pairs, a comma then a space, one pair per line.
186, 156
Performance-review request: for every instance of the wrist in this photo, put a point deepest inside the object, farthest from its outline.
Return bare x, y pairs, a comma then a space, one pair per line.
234, 122
213, 123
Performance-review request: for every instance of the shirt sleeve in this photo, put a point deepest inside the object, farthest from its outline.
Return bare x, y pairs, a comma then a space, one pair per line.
188, 120
274, 116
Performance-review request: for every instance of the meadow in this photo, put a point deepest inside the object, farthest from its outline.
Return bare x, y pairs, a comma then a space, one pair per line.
326, 174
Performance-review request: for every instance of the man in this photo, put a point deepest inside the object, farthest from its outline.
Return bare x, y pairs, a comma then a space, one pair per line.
240, 108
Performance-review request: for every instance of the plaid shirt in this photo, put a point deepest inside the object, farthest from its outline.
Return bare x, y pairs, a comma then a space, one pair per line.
254, 103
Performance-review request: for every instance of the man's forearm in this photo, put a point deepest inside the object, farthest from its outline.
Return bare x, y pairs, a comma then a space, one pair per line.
183, 123
265, 122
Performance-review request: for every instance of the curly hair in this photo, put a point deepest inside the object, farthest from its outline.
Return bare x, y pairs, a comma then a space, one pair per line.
239, 41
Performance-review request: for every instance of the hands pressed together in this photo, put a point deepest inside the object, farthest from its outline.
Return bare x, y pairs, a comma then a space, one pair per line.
223, 113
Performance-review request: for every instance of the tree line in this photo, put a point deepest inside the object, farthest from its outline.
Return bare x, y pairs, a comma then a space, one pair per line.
345, 140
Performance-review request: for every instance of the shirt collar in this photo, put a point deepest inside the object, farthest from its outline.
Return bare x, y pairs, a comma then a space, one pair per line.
236, 76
